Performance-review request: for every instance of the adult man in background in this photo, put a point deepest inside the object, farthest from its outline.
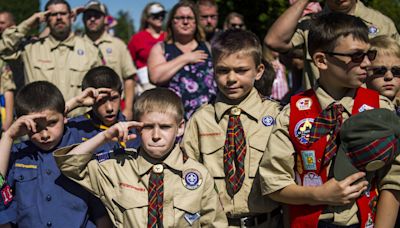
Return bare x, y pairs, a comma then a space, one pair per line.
287, 32
208, 11
111, 50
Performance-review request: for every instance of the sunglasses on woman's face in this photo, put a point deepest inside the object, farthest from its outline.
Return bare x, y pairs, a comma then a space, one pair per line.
160, 15
382, 70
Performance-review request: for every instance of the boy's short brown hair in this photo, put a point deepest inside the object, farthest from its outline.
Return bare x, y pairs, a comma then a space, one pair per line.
385, 45
234, 41
326, 29
158, 100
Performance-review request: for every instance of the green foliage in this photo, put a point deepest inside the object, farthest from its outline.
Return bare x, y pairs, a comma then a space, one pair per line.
22, 9
125, 27
390, 8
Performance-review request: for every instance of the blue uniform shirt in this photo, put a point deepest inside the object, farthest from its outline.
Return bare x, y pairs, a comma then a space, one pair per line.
43, 197
88, 125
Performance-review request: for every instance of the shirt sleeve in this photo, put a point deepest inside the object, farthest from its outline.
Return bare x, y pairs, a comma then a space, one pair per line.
11, 39
277, 164
190, 142
8, 213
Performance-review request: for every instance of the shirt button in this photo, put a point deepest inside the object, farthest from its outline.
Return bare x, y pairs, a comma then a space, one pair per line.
48, 172
48, 197
21, 177
49, 224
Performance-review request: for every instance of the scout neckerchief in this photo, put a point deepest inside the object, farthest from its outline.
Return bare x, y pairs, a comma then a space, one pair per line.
234, 153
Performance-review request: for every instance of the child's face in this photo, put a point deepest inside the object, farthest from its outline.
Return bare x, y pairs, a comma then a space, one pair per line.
341, 71
49, 131
159, 132
381, 77
108, 107
235, 75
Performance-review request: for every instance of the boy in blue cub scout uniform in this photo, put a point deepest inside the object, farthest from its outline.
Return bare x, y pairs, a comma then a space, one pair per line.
103, 87
43, 197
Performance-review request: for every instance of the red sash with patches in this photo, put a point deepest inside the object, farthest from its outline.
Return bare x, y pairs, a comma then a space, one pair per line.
304, 108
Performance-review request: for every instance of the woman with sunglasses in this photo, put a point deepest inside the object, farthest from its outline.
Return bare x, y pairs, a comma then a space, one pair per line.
234, 21
149, 34
384, 72
183, 62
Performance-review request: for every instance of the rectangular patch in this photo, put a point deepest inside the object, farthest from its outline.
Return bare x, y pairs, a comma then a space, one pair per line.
308, 157
20, 165
210, 134
191, 218
124, 185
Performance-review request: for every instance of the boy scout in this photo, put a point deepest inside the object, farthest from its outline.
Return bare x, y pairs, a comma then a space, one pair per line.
287, 32
384, 72
111, 50
60, 58
295, 167
42, 196
230, 135
103, 87
158, 186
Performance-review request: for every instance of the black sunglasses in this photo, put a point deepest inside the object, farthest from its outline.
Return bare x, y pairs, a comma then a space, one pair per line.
356, 57
160, 15
381, 70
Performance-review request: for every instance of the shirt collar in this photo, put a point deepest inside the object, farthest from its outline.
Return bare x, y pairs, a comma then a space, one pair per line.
325, 99
69, 42
250, 105
104, 38
174, 160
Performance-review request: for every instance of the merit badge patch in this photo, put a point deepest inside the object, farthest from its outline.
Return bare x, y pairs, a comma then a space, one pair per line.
191, 218
304, 104
302, 130
191, 179
109, 50
80, 52
308, 157
373, 30
365, 107
268, 121
312, 179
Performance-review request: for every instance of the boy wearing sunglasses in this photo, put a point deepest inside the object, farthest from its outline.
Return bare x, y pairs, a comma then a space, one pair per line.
384, 72
296, 165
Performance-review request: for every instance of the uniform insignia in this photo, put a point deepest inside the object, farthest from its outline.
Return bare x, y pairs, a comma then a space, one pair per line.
268, 121
158, 168
370, 222
191, 218
365, 107
80, 52
312, 179
302, 130
191, 179
308, 157
304, 104
373, 30
299, 165
6, 195
109, 50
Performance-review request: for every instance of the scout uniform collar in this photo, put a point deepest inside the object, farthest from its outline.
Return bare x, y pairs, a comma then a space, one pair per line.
325, 99
250, 106
174, 161
69, 42
104, 38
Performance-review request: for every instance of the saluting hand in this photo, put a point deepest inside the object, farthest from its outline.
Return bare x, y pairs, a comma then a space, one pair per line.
24, 125
37, 18
119, 132
87, 98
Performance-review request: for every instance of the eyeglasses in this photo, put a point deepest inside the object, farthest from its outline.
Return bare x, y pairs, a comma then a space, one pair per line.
212, 17
238, 26
183, 18
381, 70
92, 13
160, 15
356, 57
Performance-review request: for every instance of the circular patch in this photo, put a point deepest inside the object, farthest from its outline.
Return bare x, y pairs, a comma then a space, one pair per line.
159, 168
109, 50
304, 104
191, 179
373, 30
302, 130
268, 121
80, 52
374, 165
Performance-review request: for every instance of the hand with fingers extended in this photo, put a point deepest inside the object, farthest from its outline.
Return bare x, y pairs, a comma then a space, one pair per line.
196, 56
24, 125
87, 98
119, 132
343, 192
37, 18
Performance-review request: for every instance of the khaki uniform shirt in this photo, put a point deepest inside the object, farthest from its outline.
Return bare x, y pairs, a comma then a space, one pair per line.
6, 78
116, 55
62, 63
204, 140
278, 164
121, 184
377, 23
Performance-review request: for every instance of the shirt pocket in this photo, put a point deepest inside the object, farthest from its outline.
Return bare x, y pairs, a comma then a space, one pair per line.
187, 210
26, 187
212, 151
77, 73
257, 146
42, 71
131, 206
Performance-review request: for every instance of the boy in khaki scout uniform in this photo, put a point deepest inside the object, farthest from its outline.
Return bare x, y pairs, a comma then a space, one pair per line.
295, 168
111, 50
230, 135
158, 186
60, 58
287, 32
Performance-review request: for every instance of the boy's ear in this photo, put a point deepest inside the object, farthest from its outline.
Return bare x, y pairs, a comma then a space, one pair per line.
181, 128
320, 61
260, 71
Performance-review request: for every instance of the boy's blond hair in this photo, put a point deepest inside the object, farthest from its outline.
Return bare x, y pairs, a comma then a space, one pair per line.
385, 45
158, 100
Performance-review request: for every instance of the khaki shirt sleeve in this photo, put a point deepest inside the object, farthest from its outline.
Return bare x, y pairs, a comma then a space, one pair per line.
212, 214
190, 142
384, 102
128, 69
80, 168
6, 79
11, 39
277, 164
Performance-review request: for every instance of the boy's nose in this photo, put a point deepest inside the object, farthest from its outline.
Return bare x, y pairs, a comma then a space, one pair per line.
44, 135
156, 134
109, 107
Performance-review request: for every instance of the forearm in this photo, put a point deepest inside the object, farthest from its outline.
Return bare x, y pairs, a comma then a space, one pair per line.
162, 73
9, 106
387, 209
12, 37
129, 90
5, 144
281, 32
298, 195
90, 145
